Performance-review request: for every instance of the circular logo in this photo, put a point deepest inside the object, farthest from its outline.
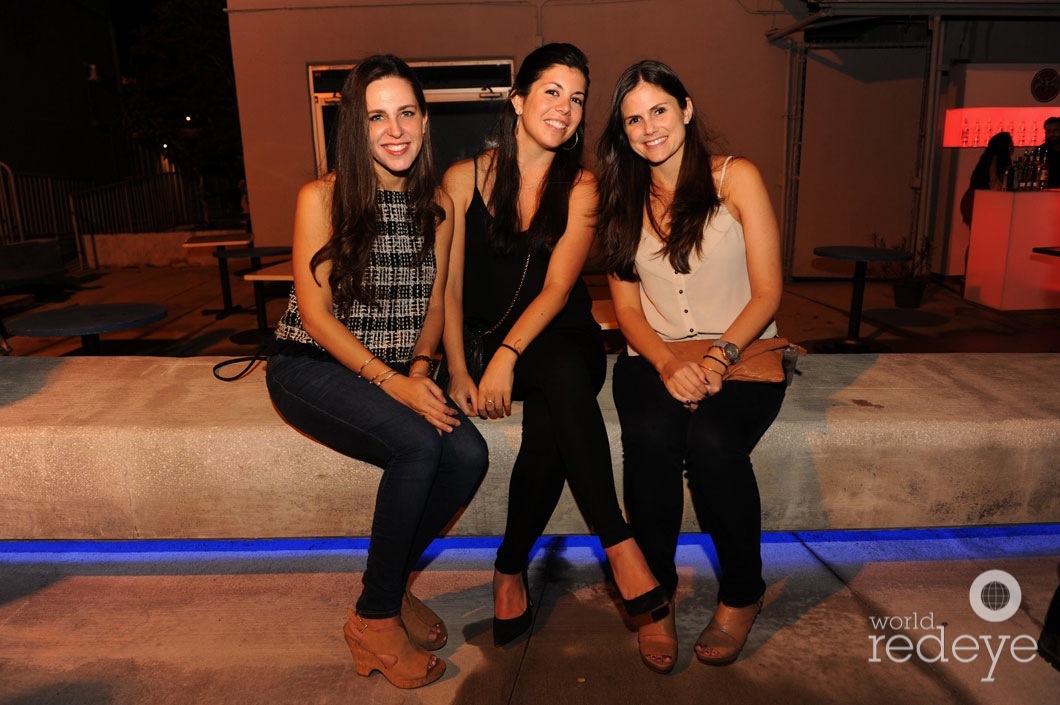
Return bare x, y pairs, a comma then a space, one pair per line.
1045, 85
995, 596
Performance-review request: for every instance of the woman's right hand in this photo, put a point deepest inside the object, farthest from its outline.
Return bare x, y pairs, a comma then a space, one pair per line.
464, 392
685, 381
423, 396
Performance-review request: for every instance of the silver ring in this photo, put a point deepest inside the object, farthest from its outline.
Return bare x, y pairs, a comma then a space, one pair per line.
489, 402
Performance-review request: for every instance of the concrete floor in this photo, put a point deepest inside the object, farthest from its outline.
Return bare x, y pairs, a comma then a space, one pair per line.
260, 622
232, 622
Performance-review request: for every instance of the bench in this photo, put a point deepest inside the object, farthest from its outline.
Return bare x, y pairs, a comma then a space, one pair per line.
141, 447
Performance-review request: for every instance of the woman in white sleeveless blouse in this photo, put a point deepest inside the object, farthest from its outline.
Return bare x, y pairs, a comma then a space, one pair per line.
692, 248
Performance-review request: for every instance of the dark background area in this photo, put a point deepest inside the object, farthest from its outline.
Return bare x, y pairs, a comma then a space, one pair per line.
101, 89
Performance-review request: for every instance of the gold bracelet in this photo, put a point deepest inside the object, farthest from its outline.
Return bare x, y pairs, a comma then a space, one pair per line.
373, 379
360, 372
380, 382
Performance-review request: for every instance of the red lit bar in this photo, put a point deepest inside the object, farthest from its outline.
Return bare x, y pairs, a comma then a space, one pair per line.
973, 127
1003, 271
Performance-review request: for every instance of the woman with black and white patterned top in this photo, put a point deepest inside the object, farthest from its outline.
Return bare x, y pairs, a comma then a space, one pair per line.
370, 255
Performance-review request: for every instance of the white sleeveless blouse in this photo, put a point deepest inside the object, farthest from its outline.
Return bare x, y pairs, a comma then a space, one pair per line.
703, 303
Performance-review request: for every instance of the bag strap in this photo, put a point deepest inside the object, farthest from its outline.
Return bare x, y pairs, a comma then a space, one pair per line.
526, 266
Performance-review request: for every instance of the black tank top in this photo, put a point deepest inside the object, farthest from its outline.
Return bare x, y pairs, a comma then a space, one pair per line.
491, 279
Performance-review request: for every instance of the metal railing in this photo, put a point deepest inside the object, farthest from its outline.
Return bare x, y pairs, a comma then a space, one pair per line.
44, 202
144, 204
10, 217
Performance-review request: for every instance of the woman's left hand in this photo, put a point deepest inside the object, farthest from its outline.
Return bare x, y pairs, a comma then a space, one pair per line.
495, 388
419, 393
712, 379
684, 381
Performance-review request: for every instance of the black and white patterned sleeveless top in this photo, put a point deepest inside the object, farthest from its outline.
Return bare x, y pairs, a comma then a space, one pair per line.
401, 285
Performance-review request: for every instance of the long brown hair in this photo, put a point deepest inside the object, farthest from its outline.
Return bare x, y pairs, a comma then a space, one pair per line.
550, 221
354, 217
626, 188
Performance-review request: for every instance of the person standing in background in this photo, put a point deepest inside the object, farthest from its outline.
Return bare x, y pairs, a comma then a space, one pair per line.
989, 172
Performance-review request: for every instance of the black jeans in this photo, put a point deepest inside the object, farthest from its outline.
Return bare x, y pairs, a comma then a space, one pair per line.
661, 440
427, 476
564, 439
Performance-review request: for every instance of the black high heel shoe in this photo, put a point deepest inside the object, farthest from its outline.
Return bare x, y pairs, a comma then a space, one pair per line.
506, 631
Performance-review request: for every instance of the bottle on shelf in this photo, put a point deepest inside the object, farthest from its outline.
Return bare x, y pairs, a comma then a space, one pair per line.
1009, 179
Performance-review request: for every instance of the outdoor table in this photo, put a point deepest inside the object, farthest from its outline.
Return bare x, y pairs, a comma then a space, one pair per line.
220, 243
861, 257
279, 272
86, 321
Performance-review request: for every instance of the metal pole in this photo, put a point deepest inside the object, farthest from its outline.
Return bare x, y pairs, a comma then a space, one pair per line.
793, 151
927, 177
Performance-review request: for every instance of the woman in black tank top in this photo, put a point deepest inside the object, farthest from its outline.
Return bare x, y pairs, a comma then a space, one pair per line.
523, 228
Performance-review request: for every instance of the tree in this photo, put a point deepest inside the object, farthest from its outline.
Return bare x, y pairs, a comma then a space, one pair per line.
180, 94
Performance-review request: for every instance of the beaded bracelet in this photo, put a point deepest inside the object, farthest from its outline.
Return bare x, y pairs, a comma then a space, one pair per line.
512, 348
421, 358
360, 372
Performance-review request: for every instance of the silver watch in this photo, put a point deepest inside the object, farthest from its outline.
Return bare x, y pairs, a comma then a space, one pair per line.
728, 349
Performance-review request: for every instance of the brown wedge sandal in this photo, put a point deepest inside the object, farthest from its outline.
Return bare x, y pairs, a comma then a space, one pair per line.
657, 642
425, 628
390, 652
722, 641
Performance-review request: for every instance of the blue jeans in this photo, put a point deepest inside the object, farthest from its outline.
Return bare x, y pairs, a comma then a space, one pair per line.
427, 476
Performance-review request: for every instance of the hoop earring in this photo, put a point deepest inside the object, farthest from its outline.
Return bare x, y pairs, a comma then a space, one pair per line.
573, 144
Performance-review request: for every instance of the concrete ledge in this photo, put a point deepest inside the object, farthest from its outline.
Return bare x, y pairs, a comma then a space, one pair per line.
161, 249
139, 447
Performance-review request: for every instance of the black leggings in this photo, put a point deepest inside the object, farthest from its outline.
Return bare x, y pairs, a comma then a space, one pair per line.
564, 439
661, 440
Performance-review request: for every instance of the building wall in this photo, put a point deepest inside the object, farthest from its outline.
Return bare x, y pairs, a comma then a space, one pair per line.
860, 130
738, 80
862, 110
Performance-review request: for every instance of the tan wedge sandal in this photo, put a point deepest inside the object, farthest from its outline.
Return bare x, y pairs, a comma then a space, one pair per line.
657, 642
424, 626
722, 641
390, 652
